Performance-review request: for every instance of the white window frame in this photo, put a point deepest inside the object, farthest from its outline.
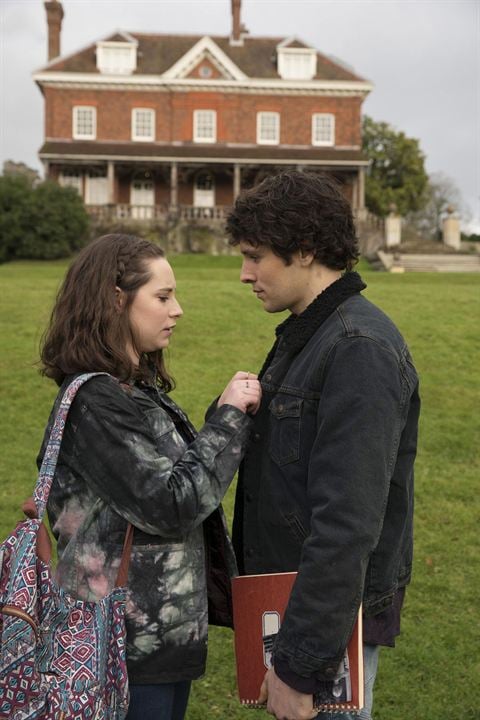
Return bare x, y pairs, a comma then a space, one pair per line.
297, 63
260, 117
73, 179
197, 136
135, 135
319, 142
116, 58
76, 132
96, 188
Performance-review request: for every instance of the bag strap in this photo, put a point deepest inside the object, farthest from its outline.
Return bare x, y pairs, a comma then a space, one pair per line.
50, 458
47, 473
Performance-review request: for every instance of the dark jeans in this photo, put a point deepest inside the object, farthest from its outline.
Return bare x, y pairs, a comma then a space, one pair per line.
167, 701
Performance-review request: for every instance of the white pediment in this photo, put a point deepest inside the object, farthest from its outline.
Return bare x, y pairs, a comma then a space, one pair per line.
204, 48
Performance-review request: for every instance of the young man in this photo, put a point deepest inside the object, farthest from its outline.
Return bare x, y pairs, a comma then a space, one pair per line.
326, 486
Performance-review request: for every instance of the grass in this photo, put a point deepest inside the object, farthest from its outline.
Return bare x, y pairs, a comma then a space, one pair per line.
434, 670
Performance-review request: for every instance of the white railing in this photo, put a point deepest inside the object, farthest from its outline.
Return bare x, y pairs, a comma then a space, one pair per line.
149, 213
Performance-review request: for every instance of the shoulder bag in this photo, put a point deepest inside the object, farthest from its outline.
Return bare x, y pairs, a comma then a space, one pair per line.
60, 658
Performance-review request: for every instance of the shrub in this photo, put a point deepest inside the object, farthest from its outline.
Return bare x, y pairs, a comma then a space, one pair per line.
41, 223
58, 223
15, 200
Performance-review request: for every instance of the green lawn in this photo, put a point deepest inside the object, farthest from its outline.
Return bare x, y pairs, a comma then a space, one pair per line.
434, 671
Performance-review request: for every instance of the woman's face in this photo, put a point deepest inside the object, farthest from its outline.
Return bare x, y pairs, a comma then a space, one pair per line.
154, 311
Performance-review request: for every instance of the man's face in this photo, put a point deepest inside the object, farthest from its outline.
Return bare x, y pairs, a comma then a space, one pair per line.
279, 286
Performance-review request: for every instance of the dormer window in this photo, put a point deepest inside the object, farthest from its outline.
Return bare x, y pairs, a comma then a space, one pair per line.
297, 63
116, 58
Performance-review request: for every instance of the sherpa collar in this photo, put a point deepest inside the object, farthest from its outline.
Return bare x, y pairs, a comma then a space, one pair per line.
297, 330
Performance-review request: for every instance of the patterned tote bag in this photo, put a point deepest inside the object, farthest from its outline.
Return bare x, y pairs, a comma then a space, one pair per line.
60, 658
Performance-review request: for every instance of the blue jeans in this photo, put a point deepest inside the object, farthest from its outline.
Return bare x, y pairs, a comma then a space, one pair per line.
370, 660
167, 701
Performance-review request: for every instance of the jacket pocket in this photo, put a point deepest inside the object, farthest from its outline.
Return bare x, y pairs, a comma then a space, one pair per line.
296, 527
285, 412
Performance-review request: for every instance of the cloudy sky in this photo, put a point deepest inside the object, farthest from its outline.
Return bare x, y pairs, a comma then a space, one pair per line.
423, 57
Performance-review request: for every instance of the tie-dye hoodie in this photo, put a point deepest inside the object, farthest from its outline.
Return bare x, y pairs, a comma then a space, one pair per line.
130, 454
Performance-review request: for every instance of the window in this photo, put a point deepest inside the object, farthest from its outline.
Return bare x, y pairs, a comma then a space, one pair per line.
323, 129
205, 126
96, 187
84, 123
205, 71
71, 178
268, 128
143, 124
299, 64
116, 58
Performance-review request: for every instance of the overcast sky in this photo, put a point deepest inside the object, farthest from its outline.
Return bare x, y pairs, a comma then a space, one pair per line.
423, 56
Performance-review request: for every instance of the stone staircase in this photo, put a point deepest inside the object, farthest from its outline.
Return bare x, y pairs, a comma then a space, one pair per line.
400, 262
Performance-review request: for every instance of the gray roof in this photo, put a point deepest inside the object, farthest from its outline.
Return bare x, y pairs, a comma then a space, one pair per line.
157, 53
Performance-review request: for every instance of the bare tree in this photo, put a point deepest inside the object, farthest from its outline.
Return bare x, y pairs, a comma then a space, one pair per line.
442, 194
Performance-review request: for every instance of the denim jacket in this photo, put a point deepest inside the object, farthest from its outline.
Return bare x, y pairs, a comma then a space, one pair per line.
326, 486
130, 454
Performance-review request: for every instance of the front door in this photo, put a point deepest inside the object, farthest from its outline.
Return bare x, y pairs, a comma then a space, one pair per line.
204, 190
142, 199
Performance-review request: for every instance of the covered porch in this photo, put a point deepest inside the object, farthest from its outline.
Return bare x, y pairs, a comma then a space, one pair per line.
182, 183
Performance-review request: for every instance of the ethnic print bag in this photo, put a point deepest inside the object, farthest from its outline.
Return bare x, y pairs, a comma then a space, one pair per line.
60, 658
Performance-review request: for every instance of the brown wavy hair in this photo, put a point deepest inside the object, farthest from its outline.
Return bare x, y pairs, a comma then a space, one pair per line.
87, 333
297, 211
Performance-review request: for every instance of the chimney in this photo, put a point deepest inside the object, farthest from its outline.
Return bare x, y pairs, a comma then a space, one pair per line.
54, 21
236, 38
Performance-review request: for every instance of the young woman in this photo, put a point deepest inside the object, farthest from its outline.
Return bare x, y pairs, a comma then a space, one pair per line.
130, 455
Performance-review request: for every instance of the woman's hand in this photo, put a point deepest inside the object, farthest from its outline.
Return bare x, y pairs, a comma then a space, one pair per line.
243, 391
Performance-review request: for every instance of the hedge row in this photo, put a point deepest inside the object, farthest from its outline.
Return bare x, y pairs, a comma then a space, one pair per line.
41, 222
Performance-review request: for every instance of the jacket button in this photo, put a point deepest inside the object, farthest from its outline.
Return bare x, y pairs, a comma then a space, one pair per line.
330, 672
249, 497
249, 552
256, 437
268, 377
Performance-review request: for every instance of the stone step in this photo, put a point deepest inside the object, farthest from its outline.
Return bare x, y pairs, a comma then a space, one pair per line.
429, 263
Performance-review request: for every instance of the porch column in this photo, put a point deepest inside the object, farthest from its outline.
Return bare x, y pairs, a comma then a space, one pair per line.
361, 188
237, 181
111, 182
174, 184
355, 203
46, 169
361, 211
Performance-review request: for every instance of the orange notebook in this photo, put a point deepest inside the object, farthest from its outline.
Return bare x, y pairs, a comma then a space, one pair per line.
259, 602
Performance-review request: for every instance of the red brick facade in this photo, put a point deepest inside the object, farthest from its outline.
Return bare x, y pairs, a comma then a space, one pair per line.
236, 115
175, 168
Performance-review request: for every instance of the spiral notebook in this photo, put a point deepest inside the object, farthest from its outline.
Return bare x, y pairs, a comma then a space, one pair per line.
259, 603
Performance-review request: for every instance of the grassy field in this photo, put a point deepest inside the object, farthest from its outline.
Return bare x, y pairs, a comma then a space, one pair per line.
433, 673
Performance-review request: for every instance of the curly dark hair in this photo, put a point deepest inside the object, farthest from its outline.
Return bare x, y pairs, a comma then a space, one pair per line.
297, 211
87, 333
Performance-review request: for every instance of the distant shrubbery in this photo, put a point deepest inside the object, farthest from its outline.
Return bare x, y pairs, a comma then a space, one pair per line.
39, 221
473, 237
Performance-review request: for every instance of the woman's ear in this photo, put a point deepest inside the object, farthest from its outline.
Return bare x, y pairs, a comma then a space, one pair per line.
119, 299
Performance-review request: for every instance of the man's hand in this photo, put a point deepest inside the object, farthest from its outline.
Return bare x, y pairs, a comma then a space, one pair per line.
284, 702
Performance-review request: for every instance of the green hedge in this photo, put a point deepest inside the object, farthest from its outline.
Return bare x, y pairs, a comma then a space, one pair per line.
42, 222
